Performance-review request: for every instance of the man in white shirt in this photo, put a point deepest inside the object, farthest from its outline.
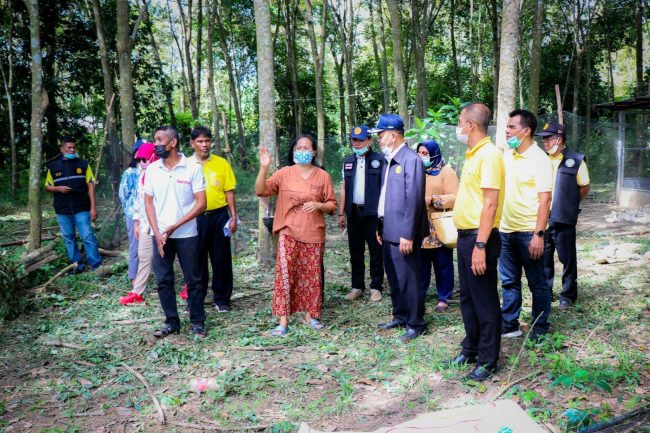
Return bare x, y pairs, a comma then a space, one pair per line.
174, 190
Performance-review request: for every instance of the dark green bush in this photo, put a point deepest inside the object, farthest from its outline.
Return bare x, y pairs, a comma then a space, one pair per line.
12, 289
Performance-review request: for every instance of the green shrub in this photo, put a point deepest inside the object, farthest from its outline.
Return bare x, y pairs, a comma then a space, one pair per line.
12, 289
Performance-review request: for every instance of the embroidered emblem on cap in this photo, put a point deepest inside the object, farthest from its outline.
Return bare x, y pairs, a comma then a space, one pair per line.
357, 130
570, 162
374, 163
398, 169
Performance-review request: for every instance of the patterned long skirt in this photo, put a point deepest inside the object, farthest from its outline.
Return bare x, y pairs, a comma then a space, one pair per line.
298, 285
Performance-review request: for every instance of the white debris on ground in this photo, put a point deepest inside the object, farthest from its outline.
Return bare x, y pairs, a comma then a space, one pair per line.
639, 215
618, 253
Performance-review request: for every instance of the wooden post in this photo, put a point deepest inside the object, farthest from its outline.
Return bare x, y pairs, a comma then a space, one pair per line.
558, 97
226, 150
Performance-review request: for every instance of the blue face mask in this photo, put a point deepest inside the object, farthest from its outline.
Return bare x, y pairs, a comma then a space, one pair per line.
427, 161
302, 157
70, 155
360, 152
514, 142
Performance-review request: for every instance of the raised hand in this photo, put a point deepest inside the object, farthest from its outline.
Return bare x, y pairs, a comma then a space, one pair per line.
265, 156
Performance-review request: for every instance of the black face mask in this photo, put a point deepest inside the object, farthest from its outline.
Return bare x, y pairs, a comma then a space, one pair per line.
161, 151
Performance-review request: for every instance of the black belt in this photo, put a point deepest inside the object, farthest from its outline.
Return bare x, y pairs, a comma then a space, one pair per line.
471, 232
358, 207
215, 211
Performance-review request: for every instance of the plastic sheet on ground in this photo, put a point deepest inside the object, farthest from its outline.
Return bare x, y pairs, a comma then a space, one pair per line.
501, 416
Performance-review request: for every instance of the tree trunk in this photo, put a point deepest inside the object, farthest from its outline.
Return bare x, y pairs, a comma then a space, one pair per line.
587, 92
241, 146
419, 40
380, 64
211, 91
536, 58
384, 61
576, 91
266, 112
398, 62
114, 151
348, 50
507, 67
166, 85
638, 25
50, 18
186, 26
318, 56
8, 81
199, 52
454, 54
39, 104
494, 20
124, 47
290, 15
338, 66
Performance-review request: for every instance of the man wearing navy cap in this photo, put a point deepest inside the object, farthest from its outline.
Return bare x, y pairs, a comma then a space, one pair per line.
358, 209
571, 186
402, 225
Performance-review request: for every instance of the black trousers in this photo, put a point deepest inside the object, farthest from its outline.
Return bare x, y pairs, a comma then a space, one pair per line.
187, 250
403, 273
479, 300
361, 231
562, 237
215, 246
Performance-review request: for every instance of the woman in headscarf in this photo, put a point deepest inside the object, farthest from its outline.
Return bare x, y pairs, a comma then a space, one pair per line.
440, 194
305, 195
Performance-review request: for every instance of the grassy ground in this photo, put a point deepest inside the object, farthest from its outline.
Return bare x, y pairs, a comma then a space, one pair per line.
62, 364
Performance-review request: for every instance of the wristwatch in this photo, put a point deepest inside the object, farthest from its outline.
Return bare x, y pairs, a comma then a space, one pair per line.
479, 245
540, 233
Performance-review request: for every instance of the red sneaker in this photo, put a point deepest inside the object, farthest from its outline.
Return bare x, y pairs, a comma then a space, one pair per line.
183, 293
131, 298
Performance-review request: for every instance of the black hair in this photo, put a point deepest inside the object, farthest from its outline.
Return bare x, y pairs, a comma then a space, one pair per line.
479, 113
171, 133
526, 119
309, 137
199, 131
67, 139
134, 161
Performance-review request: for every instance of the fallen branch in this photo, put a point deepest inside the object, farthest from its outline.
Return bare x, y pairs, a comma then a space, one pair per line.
260, 348
57, 275
24, 241
28, 258
37, 265
507, 386
134, 321
161, 413
250, 295
26, 231
218, 428
112, 253
59, 343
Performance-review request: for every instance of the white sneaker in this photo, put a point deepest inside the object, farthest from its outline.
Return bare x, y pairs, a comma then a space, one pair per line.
375, 295
354, 294
513, 334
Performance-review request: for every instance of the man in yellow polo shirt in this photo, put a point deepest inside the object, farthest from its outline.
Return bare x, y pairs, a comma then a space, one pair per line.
216, 224
477, 214
529, 182
571, 185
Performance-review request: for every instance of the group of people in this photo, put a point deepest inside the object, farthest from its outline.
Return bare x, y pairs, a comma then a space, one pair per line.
512, 209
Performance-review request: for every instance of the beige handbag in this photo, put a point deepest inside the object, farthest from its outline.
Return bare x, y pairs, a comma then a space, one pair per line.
443, 224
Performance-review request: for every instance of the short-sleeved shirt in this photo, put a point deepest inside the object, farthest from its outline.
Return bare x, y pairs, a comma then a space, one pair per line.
483, 168
173, 193
128, 192
219, 178
527, 174
293, 191
583, 172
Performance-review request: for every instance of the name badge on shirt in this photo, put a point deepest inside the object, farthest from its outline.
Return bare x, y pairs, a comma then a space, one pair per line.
185, 182
348, 166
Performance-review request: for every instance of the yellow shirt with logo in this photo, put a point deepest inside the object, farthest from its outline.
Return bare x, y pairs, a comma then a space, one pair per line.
219, 178
483, 168
527, 174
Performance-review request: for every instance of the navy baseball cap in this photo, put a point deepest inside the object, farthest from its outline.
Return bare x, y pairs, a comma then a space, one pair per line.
359, 132
139, 142
388, 122
551, 128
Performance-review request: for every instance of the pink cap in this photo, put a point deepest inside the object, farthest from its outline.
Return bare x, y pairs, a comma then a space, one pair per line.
146, 151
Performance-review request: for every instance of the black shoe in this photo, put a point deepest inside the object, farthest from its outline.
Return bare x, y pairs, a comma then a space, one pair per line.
222, 308
198, 330
462, 360
482, 372
390, 325
565, 304
165, 330
410, 334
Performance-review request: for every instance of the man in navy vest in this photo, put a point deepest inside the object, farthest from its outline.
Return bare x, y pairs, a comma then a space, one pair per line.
360, 191
571, 186
71, 181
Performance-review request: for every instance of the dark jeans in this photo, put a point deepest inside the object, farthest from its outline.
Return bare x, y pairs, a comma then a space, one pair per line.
403, 274
187, 250
216, 246
442, 259
361, 231
562, 237
514, 257
479, 299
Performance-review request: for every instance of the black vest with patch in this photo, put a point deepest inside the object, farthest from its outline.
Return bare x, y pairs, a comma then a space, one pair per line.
374, 163
566, 193
71, 173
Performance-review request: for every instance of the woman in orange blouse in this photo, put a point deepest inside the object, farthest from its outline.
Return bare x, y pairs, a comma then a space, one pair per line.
439, 194
305, 194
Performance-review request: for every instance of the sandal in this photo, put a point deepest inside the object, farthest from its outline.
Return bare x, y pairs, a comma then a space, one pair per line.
165, 330
199, 331
442, 306
315, 324
280, 331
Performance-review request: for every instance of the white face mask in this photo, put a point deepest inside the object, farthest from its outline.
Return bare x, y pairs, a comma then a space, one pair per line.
385, 147
463, 138
553, 150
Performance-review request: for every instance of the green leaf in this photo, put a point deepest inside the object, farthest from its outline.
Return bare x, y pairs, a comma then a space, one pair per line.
419, 123
580, 375
604, 385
